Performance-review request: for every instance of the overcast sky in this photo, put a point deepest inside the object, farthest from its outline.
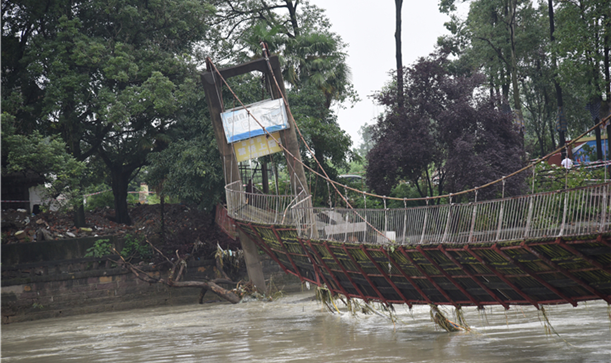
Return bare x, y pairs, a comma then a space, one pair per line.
368, 28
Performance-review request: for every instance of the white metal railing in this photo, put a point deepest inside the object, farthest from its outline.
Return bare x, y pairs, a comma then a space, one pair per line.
259, 208
552, 214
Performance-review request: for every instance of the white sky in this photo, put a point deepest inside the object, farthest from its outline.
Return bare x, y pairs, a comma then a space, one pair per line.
368, 27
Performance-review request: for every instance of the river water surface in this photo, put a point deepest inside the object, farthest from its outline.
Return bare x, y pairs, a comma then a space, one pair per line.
297, 329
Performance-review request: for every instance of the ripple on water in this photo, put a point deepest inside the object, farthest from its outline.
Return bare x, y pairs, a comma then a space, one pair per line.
294, 329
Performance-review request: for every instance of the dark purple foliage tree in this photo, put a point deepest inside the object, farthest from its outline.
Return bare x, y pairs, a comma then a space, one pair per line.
448, 137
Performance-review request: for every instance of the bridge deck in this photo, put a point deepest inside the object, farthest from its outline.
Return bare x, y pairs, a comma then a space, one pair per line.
546, 248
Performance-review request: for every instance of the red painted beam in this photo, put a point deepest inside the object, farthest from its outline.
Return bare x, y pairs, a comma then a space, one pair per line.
346, 272
315, 265
288, 255
263, 246
377, 266
602, 240
502, 277
327, 282
409, 279
339, 287
566, 273
423, 272
534, 275
373, 286
449, 277
581, 255
474, 278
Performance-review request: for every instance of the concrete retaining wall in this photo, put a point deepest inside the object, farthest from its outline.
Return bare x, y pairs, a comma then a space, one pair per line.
53, 279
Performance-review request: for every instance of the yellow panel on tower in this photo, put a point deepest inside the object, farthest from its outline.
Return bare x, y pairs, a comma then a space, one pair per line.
256, 147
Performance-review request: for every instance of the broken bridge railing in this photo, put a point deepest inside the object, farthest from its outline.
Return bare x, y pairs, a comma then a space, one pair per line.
263, 208
571, 212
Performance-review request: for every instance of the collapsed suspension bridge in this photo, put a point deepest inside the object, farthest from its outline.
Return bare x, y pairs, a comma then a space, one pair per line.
545, 248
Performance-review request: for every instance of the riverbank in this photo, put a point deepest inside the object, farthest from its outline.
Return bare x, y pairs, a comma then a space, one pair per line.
53, 279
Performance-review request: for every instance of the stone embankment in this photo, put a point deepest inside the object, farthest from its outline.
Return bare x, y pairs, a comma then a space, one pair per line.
54, 279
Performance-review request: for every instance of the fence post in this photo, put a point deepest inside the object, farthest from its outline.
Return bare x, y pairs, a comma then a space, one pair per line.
445, 232
385, 218
404, 220
474, 215
564, 193
346, 218
529, 217
603, 214
366, 213
426, 216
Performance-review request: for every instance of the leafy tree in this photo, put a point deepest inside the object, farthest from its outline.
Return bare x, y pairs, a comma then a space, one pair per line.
365, 132
450, 136
331, 144
584, 39
504, 40
45, 156
109, 77
398, 54
189, 168
313, 64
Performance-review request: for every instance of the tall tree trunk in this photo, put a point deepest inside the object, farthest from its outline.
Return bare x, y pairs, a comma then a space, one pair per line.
561, 121
548, 116
120, 181
398, 54
292, 8
606, 61
595, 100
607, 108
514, 66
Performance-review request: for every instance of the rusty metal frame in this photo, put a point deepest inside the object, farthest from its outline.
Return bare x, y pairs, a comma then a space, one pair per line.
288, 255
533, 274
428, 277
321, 269
373, 286
312, 260
339, 287
409, 279
566, 273
316, 265
449, 277
263, 246
501, 276
602, 240
581, 255
346, 272
473, 277
392, 284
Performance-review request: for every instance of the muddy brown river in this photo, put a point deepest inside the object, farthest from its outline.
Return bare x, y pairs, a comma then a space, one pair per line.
297, 329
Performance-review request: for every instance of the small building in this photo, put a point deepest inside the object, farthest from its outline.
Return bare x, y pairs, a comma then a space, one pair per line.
586, 147
581, 151
18, 191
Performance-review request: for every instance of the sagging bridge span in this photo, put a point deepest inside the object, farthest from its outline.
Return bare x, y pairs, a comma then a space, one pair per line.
546, 248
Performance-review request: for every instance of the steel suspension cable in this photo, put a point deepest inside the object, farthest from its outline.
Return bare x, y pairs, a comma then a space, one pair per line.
335, 183
295, 159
